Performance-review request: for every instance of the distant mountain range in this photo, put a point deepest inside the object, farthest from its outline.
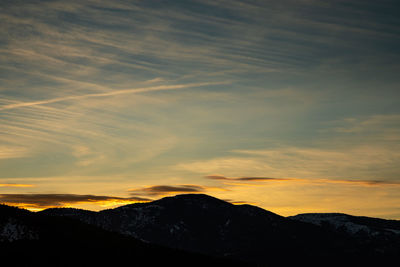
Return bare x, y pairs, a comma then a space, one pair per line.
196, 229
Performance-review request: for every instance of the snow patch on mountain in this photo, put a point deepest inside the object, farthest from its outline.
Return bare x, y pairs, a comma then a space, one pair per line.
13, 230
341, 222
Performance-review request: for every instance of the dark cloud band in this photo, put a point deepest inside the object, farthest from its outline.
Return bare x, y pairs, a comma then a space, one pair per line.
252, 179
46, 200
157, 190
266, 179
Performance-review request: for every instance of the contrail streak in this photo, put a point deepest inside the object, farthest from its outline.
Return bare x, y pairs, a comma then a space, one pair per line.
112, 93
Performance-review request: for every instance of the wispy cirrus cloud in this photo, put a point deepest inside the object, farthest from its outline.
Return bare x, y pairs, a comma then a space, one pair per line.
378, 127
7, 152
111, 93
93, 87
178, 38
342, 163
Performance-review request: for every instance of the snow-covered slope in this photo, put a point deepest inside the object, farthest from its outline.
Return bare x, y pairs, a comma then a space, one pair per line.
354, 225
14, 230
13, 226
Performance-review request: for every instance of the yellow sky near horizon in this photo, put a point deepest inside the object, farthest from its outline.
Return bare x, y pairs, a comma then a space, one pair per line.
293, 106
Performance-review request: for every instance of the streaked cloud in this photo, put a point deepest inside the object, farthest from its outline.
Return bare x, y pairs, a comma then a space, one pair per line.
8, 152
228, 165
365, 182
42, 201
376, 128
367, 162
112, 93
157, 190
301, 180
237, 202
251, 179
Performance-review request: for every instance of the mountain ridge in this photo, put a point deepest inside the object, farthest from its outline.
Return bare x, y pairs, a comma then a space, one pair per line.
65, 241
202, 224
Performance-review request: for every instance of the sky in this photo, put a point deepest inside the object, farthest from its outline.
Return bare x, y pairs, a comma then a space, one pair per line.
290, 105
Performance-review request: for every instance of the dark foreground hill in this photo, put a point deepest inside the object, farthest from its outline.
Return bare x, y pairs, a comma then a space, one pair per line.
203, 225
32, 239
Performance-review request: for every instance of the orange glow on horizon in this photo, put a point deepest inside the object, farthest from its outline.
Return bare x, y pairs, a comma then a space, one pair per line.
87, 205
16, 185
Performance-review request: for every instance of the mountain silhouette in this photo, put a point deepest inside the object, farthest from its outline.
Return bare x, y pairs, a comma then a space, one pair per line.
216, 232
35, 239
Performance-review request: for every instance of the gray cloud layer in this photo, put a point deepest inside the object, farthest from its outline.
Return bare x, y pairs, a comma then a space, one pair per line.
157, 190
251, 179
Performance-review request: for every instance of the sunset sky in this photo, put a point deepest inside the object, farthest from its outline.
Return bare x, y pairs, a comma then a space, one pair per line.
291, 105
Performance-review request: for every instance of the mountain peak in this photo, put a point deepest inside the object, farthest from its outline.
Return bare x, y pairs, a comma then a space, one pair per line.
193, 198
179, 201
